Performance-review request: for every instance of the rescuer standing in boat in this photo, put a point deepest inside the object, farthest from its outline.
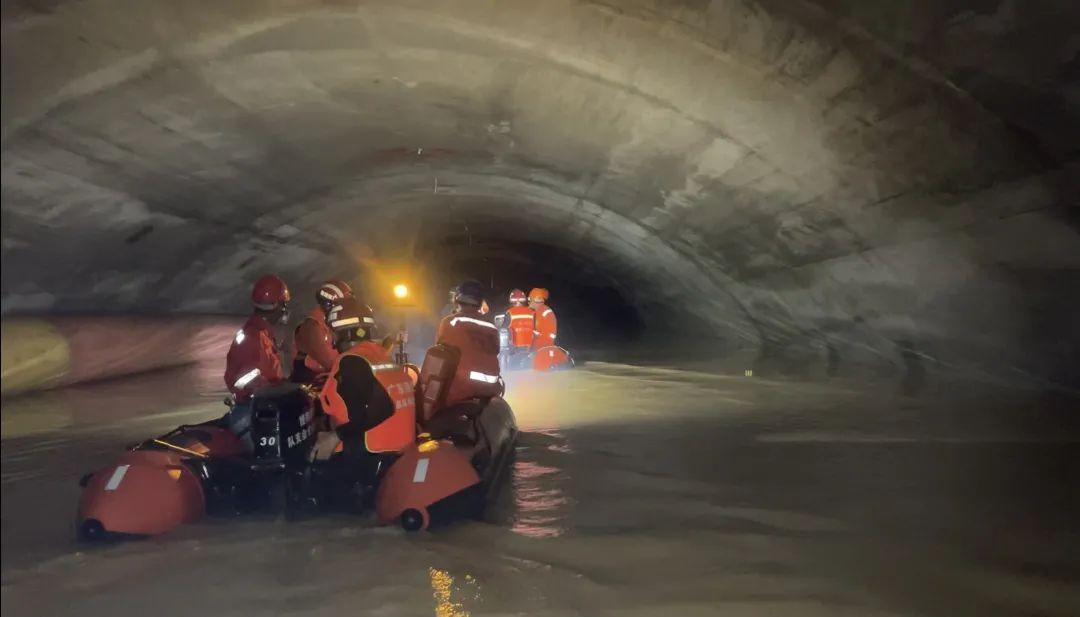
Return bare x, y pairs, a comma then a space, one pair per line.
546, 324
252, 361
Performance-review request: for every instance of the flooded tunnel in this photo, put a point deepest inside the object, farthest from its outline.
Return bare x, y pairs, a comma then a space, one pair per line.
818, 263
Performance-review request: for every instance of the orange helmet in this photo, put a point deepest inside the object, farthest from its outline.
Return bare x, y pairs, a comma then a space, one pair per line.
269, 292
517, 297
538, 294
332, 292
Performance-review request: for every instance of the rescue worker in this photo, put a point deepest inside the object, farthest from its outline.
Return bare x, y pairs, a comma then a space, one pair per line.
477, 340
367, 398
546, 326
521, 320
252, 361
313, 340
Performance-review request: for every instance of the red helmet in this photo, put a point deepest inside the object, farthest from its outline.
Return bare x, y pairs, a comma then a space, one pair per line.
269, 292
517, 297
332, 292
538, 294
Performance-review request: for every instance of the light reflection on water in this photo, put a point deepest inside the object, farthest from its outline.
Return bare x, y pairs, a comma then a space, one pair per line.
443, 588
765, 514
539, 501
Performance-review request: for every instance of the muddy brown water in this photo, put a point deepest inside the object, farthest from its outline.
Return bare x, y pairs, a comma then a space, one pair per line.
633, 491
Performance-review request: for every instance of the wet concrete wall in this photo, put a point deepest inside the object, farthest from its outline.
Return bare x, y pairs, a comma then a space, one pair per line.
59, 351
834, 187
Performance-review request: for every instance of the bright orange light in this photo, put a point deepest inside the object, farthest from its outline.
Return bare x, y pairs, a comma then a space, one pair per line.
174, 473
401, 291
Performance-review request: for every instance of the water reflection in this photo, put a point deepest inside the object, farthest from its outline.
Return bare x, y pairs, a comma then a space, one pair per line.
442, 588
539, 501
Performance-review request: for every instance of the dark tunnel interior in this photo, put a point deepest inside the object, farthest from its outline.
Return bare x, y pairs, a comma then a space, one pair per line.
818, 263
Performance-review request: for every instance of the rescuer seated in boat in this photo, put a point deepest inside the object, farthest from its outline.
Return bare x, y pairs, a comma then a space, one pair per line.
367, 399
477, 340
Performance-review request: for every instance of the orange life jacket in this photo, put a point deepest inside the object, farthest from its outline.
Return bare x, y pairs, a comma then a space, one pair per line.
394, 433
522, 324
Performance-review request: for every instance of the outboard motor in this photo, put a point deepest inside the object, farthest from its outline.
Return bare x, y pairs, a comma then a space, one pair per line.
282, 428
282, 433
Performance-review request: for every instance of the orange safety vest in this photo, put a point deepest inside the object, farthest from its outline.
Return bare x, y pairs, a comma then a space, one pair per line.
394, 433
522, 324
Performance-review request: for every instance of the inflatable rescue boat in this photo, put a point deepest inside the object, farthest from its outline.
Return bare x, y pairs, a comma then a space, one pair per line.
447, 474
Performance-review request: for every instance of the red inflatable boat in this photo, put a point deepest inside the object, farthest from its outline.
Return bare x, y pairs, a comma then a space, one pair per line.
177, 478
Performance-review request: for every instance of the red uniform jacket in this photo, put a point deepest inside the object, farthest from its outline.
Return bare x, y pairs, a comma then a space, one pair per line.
253, 359
477, 339
313, 343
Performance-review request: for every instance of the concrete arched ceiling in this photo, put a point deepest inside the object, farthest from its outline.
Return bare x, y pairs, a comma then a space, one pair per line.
797, 176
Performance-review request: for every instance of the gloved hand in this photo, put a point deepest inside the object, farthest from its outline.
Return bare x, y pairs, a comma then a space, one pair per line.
325, 444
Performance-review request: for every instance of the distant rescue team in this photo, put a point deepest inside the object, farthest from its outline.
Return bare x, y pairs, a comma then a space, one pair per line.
367, 399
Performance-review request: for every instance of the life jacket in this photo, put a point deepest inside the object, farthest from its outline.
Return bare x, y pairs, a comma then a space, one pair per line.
398, 430
522, 324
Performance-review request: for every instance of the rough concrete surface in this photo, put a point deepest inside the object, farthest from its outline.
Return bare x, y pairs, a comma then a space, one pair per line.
830, 184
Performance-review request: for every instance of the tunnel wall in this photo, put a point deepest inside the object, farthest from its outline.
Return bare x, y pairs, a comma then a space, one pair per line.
839, 186
41, 353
